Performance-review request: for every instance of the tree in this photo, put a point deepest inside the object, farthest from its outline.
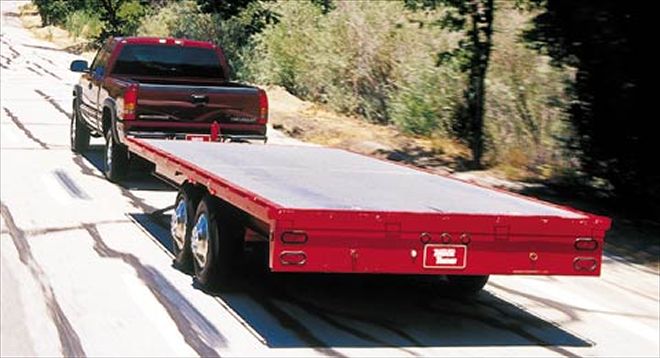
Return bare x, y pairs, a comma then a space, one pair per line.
605, 41
475, 19
122, 17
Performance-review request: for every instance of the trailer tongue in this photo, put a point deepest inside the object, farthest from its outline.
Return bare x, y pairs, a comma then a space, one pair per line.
328, 210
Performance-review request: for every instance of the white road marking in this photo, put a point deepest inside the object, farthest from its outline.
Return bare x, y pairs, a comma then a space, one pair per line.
56, 191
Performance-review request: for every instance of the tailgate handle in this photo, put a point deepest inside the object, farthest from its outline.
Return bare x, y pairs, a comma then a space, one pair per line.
199, 98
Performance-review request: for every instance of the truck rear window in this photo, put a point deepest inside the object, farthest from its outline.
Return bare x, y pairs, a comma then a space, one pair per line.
168, 61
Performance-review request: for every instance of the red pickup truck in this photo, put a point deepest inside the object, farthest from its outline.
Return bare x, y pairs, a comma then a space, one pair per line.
160, 88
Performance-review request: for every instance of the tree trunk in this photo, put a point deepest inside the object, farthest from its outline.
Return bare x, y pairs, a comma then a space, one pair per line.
480, 35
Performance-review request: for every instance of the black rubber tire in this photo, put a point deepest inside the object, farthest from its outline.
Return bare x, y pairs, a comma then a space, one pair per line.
116, 169
190, 197
467, 285
225, 251
78, 133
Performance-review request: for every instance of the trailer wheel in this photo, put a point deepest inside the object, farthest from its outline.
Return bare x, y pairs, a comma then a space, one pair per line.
181, 224
116, 159
467, 285
215, 243
79, 134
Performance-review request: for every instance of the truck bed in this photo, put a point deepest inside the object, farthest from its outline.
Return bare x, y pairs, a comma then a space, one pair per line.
350, 213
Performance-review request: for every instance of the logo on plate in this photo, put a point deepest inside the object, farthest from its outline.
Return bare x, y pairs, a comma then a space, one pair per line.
445, 256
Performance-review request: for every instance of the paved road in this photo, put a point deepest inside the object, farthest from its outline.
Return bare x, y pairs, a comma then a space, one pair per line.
86, 272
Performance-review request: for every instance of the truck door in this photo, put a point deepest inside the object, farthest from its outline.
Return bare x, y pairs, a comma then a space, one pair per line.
91, 82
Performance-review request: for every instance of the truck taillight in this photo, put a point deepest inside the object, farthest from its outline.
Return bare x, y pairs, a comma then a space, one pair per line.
263, 107
130, 102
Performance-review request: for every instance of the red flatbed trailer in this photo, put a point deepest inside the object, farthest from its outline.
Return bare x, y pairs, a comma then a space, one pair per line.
329, 210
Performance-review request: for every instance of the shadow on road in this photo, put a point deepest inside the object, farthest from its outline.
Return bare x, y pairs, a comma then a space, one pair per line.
324, 311
139, 175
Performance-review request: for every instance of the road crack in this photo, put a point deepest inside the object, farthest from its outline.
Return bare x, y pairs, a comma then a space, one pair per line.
22, 127
196, 330
69, 339
50, 100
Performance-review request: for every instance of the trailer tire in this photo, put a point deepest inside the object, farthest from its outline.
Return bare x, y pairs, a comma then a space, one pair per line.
181, 225
78, 133
466, 286
115, 155
216, 243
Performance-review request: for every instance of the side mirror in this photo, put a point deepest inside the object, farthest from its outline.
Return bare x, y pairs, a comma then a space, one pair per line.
79, 66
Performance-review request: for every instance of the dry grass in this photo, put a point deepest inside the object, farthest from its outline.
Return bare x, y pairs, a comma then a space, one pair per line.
317, 124
61, 38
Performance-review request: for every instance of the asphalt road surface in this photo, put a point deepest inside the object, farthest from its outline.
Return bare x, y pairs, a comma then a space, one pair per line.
86, 270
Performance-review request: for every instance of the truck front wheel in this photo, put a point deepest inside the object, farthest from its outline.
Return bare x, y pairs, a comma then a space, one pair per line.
215, 243
116, 159
79, 133
467, 285
181, 225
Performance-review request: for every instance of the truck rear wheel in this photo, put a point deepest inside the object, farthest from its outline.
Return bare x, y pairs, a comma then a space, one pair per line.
181, 227
467, 285
215, 243
79, 133
116, 159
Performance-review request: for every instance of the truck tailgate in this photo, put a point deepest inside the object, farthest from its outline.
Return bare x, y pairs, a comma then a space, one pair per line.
169, 102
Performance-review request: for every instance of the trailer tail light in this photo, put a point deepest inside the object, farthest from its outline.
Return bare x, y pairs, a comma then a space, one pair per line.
293, 258
130, 102
586, 244
585, 264
263, 107
294, 237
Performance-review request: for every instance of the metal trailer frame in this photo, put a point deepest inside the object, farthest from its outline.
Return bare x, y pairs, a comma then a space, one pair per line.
400, 242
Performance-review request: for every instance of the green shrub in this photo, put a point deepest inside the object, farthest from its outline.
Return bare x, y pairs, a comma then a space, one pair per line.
55, 12
84, 24
526, 101
130, 14
355, 58
429, 104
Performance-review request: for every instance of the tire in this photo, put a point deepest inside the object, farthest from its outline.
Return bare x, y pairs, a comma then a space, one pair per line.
78, 133
115, 155
216, 244
181, 226
467, 286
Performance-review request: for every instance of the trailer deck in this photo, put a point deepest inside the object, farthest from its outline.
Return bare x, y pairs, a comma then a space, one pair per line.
359, 214
325, 178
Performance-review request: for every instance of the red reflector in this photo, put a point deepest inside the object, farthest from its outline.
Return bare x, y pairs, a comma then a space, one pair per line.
294, 237
586, 244
130, 102
215, 131
293, 258
585, 263
263, 107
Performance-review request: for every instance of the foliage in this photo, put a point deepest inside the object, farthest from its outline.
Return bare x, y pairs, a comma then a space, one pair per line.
603, 40
84, 24
475, 20
355, 58
55, 12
